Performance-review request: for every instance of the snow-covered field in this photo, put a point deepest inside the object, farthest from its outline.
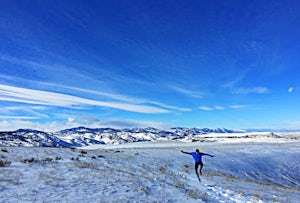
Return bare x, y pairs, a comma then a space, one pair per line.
152, 172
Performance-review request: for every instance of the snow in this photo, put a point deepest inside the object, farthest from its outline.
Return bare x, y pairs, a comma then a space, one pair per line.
152, 172
81, 136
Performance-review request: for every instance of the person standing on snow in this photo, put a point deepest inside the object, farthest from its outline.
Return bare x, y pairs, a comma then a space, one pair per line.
197, 155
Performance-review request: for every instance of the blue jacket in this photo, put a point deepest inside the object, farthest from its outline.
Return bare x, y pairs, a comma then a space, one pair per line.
198, 157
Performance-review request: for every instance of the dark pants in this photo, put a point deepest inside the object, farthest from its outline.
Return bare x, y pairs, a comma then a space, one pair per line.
197, 164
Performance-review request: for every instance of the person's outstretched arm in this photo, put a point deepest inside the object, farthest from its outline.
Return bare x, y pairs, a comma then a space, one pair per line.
208, 155
184, 152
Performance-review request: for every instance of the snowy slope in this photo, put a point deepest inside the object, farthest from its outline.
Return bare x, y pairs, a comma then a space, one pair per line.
28, 138
151, 172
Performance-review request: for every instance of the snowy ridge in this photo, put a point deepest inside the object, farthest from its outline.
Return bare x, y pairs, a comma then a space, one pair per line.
30, 138
82, 136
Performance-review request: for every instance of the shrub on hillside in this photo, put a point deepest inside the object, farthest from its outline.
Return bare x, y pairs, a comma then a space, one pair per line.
4, 163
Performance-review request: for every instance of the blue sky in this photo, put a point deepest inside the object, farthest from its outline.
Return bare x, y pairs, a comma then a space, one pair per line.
232, 64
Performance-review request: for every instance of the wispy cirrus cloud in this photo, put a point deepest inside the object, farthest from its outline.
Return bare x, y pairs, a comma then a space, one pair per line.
54, 71
175, 108
58, 73
205, 108
68, 72
49, 85
30, 96
19, 117
233, 83
236, 88
187, 92
237, 106
219, 108
105, 95
22, 112
253, 90
124, 98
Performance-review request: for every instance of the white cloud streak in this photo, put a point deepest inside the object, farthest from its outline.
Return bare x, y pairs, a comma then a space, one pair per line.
219, 108
190, 93
19, 117
170, 106
291, 89
236, 89
32, 110
110, 96
237, 106
255, 90
205, 108
128, 99
30, 96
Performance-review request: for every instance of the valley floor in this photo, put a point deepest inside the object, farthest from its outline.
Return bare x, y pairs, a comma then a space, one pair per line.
245, 172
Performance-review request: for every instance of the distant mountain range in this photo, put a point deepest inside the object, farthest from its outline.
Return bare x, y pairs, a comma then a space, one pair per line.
82, 136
